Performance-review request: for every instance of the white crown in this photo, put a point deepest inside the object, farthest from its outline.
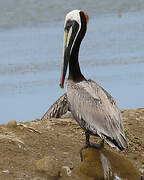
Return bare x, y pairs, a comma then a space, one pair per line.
73, 15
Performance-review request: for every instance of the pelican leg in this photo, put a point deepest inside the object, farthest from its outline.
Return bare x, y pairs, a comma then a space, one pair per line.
90, 145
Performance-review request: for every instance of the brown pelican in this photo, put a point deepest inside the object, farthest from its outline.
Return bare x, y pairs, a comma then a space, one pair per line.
92, 106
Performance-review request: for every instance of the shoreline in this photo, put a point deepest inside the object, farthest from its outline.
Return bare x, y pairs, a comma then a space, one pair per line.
41, 148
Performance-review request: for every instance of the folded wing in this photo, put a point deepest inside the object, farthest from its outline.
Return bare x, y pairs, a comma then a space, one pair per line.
96, 112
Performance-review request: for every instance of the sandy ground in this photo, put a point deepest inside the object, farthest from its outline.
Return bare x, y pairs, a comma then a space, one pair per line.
49, 150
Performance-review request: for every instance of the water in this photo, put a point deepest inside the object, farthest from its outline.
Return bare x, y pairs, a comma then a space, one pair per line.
31, 39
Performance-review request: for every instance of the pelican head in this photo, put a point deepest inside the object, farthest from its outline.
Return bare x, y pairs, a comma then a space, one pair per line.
74, 30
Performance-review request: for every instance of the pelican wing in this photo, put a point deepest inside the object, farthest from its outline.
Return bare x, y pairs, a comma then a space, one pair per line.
96, 111
59, 108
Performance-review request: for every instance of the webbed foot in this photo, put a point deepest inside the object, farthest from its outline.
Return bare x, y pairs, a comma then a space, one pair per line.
91, 145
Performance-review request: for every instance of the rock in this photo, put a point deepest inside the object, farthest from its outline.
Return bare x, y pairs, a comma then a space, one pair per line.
12, 124
38, 119
65, 171
103, 164
49, 165
142, 170
6, 171
91, 165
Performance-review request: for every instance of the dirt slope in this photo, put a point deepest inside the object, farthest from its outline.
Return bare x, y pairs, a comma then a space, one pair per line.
49, 150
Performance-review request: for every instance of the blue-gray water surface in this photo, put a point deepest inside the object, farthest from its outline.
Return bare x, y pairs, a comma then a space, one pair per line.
31, 40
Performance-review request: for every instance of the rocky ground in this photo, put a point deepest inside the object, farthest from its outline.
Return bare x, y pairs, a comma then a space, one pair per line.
49, 150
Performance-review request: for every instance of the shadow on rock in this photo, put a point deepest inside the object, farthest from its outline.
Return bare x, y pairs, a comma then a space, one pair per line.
106, 165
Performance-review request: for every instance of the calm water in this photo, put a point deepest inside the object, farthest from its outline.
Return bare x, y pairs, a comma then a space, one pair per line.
31, 39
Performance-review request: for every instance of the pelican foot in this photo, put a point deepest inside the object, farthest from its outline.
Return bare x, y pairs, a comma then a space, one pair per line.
91, 145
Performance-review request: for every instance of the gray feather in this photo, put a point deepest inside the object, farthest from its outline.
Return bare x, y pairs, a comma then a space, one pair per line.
96, 111
59, 108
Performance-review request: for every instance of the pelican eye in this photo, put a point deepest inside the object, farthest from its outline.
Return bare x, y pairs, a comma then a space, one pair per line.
68, 25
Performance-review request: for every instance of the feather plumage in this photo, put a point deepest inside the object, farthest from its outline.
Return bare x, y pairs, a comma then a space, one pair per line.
96, 112
59, 108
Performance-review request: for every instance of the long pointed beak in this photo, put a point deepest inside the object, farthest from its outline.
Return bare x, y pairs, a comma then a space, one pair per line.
69, 39
65, 57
